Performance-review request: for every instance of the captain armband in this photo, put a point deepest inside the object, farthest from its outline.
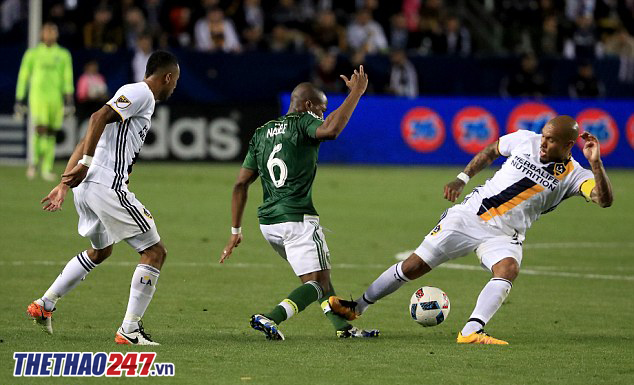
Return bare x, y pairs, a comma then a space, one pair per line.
586, 188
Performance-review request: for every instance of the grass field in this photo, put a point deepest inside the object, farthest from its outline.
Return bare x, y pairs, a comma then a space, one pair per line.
569, 318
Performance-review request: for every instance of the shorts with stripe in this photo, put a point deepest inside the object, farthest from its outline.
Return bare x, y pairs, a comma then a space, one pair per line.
461, 232
107, 216
302, 244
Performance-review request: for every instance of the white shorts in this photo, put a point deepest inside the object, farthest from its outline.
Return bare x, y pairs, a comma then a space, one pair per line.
302, 244
460, 232
107, 216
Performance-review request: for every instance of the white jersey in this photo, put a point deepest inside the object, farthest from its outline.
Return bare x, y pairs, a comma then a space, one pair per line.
524, 188
121, 142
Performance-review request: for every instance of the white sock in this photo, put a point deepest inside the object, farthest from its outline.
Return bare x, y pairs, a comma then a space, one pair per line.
142, 289
74, 272
388, 282
489, 301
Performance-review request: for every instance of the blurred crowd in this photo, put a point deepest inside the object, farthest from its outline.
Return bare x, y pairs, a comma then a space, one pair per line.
339, 33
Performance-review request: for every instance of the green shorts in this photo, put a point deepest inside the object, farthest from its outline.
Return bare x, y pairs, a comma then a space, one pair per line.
47, 112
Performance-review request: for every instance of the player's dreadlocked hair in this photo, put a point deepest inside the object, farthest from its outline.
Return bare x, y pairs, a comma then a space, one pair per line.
158, 60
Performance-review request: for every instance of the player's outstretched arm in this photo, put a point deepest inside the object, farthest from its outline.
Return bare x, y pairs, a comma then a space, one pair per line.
479, 162
76, 172
338, 119
602, 192
238, 201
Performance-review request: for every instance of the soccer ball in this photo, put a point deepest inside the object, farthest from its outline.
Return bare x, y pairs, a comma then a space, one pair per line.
429, 306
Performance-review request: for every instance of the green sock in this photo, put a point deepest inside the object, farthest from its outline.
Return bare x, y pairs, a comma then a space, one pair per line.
295, 302
337, 321
48, 153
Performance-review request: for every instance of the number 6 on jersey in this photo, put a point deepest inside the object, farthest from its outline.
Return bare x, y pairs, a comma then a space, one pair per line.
272, 162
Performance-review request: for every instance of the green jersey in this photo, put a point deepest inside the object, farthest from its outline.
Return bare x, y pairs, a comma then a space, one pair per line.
284, 152
48, 72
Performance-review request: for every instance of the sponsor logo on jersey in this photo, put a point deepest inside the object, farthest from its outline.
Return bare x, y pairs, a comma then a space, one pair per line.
629, 131
146, 212
122, 102
559, 169
87, 364
435, 230
600, 124
422, 129
474, 128
529, 116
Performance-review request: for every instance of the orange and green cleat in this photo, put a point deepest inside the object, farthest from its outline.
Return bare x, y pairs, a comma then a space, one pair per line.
343, 307
40, 316
479, 337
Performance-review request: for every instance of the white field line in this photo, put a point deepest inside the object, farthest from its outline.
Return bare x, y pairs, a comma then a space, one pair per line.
240, 265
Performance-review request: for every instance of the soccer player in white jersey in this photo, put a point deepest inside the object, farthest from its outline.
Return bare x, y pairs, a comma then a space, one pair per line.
538, 174
108, 212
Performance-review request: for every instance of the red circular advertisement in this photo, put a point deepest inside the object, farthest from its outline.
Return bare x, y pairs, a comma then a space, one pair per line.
474, 128
600, 124
531, 116
629, 131
422, 129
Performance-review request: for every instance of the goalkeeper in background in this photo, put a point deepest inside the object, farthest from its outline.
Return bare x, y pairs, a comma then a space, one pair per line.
47, 71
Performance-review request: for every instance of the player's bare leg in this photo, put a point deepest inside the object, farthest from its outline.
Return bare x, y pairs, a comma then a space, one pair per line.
489, 301
391, 280
41, 310
142, 289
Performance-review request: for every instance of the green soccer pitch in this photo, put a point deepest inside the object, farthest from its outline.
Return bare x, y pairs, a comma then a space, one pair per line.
569, 318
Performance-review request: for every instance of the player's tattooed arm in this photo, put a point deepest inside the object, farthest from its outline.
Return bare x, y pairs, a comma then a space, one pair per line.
602, 192
482, 160
479, 162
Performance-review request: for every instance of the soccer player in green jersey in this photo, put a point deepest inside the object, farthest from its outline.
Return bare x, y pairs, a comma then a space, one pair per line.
47, 70
283, 153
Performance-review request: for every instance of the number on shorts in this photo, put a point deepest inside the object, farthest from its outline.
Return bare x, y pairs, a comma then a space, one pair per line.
277, 162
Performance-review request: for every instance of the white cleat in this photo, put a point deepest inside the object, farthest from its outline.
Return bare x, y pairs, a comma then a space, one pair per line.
137, 337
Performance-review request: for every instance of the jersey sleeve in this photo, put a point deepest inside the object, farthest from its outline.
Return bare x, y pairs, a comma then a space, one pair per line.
129, 100
581, 183
506, 143
309, 123
26, 68
250, 161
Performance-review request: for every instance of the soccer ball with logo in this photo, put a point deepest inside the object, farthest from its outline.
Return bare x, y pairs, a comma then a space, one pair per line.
429, 306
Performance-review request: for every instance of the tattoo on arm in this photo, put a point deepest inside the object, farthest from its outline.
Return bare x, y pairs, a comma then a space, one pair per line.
482, 159
602, 191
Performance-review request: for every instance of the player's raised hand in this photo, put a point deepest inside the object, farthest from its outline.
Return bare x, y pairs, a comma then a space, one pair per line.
234, 241
54, 200
453, 189
74, 177
358, 81
591, 148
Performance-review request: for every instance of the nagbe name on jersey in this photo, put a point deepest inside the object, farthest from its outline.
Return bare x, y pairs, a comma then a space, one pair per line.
279, 128
535, 173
